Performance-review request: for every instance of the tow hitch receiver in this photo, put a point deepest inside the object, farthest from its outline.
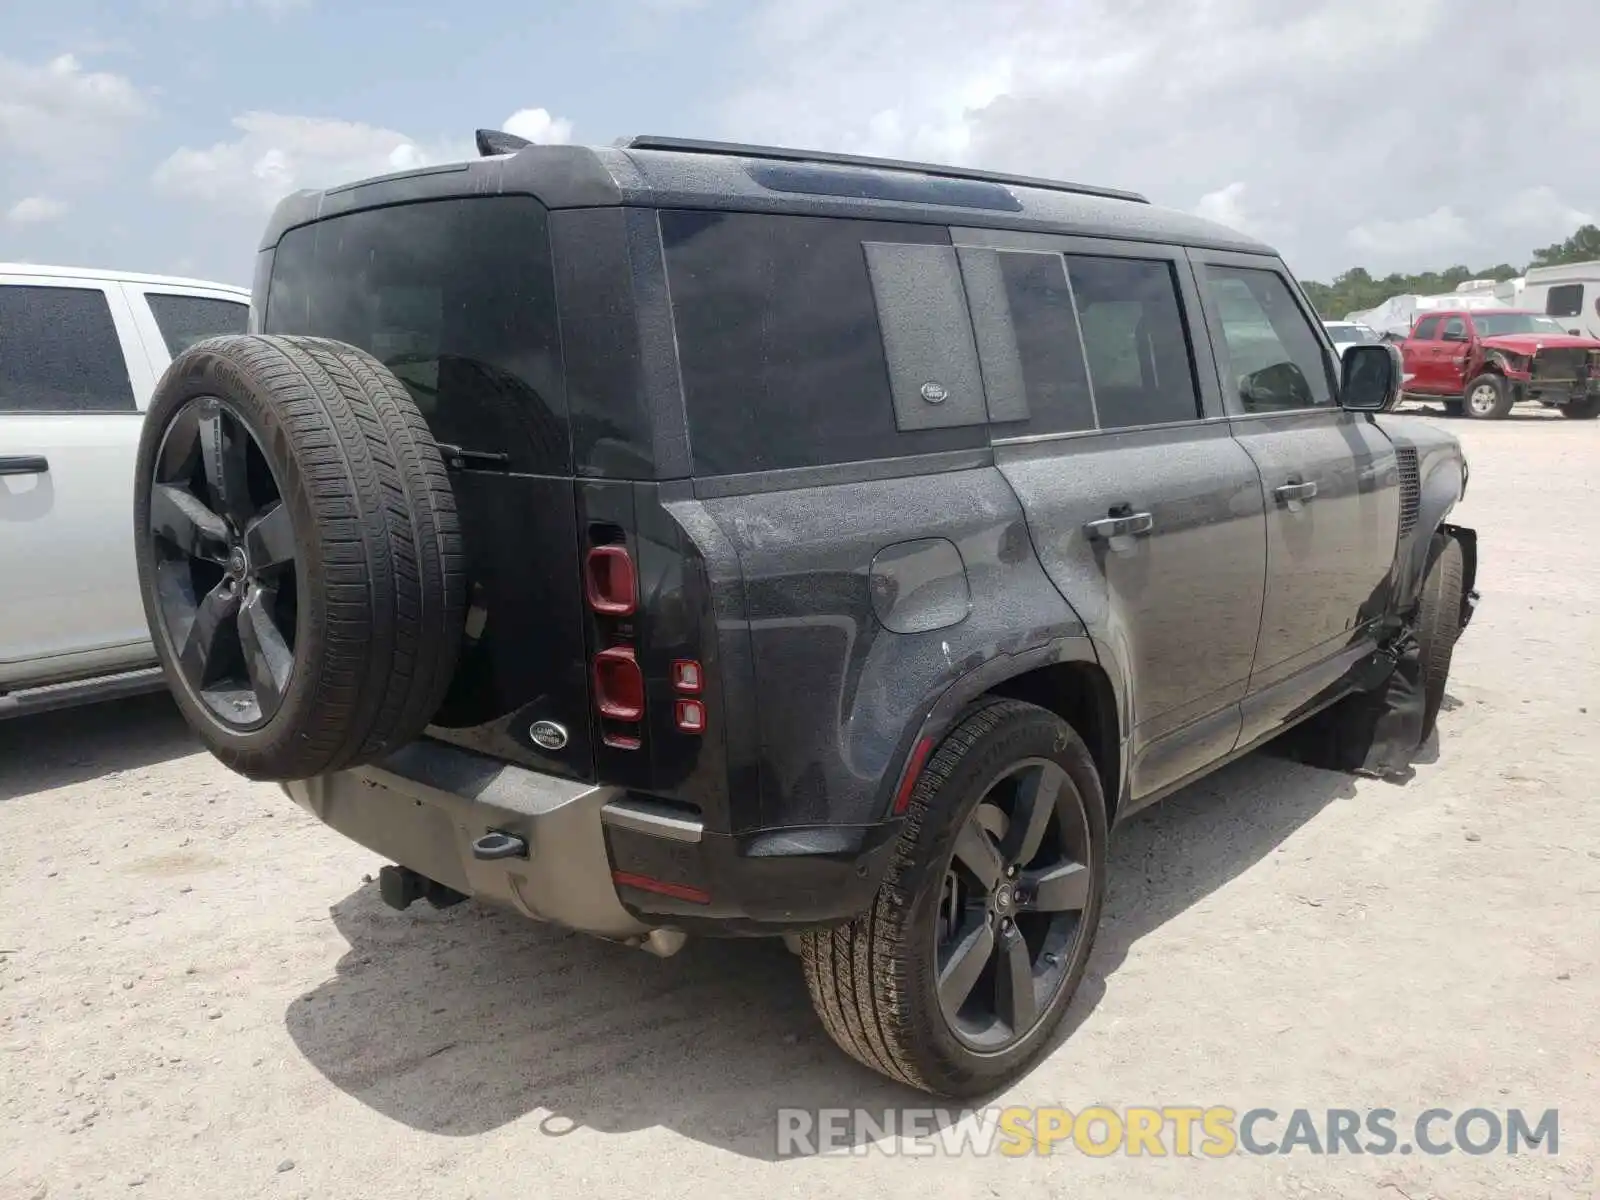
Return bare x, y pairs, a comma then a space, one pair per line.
401, 887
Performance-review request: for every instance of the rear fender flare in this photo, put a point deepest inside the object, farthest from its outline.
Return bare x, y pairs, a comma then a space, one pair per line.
944, 710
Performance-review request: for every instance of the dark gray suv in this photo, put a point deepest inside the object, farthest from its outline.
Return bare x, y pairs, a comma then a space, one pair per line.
685, 538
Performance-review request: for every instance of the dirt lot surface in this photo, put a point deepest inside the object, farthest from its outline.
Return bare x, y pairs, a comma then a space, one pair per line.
199, 995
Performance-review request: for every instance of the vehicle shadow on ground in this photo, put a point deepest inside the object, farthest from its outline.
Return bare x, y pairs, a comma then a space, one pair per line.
461, 1021
1438, 410
59, 749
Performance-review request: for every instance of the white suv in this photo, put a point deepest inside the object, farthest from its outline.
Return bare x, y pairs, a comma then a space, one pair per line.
80, 353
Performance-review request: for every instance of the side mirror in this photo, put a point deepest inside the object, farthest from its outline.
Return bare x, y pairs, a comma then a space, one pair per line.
1454, 337
1370, 378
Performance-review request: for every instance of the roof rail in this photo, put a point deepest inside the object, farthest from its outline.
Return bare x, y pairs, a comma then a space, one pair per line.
779, 153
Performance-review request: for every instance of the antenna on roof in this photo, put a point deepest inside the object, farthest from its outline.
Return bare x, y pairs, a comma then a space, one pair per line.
498, 141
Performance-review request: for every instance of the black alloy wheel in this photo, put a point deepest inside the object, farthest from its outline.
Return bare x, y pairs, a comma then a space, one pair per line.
1011, 912
227, 585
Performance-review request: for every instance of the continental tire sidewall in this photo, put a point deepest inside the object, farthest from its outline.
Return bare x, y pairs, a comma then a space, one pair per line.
203, 373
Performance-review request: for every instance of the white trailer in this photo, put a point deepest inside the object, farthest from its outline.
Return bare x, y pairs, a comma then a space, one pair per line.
1570, 293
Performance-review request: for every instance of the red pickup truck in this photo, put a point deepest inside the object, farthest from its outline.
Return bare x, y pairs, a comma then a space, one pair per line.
1484, 361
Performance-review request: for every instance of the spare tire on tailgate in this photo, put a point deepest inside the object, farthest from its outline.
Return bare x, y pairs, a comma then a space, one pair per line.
299, 553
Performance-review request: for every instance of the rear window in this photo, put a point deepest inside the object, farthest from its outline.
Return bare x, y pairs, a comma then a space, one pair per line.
185, 320
457, 298
781, 347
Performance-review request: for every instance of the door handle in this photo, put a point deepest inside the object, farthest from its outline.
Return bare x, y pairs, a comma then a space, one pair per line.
1293, 495
24, 464
1129, 525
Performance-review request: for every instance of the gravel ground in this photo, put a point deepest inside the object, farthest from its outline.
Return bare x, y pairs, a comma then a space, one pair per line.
200, 996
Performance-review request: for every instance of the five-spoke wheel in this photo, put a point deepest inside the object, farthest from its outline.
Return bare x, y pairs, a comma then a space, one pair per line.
224, 553
1012, 904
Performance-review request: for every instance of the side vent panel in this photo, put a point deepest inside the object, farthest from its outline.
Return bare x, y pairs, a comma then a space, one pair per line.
1410, 488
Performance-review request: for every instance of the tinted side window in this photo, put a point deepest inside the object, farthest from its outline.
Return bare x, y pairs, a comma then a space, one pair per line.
1134, 340
1271, 358
1566, 300
1049, 344
457, 298
1427, 329
779, 342
59, 352
185, 320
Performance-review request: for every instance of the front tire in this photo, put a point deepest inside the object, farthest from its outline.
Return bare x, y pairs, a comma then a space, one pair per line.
956, 978
1488, 398
1439, 624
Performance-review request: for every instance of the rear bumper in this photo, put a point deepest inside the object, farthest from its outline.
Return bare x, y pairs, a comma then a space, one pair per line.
597, 859
426, 805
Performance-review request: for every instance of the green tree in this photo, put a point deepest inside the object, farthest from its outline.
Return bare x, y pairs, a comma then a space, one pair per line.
1582, 246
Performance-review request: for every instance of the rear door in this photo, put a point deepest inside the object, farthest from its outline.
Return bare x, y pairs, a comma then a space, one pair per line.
1422, 357
72, 383
1143, 509
1329, 481
457, 297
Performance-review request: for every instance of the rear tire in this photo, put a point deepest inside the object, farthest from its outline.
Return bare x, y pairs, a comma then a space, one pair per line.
1488, 398
1439, 624
875, 982
366, 573
1582, 410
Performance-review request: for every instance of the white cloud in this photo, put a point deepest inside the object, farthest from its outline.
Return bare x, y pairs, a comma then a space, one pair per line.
538, 126
35, 210
1328, 125
276, 154
1542, 213
59, 111
1423, 238
212, 8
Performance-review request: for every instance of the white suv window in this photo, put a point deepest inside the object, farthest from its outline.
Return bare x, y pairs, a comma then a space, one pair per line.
59, 352
185, 320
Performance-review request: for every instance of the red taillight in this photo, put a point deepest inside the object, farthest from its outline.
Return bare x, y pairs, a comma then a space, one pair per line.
618, 684
690, 716
609, 580
687, 676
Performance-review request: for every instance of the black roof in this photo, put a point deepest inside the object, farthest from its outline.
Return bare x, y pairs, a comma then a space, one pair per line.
678, 173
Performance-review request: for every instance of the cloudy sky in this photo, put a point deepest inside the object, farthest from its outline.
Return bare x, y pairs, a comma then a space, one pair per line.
155, 134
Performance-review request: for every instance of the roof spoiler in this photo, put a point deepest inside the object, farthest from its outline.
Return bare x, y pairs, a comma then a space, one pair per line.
498, 141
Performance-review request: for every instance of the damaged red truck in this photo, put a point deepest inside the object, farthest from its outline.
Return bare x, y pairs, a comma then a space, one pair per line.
1482, 362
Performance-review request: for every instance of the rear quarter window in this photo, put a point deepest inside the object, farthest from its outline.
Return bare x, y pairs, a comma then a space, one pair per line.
185, 320
780, 341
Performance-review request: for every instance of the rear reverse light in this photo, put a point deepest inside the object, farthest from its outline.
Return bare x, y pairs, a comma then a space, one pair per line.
609, 580
690, 716
618, 684
687, 676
